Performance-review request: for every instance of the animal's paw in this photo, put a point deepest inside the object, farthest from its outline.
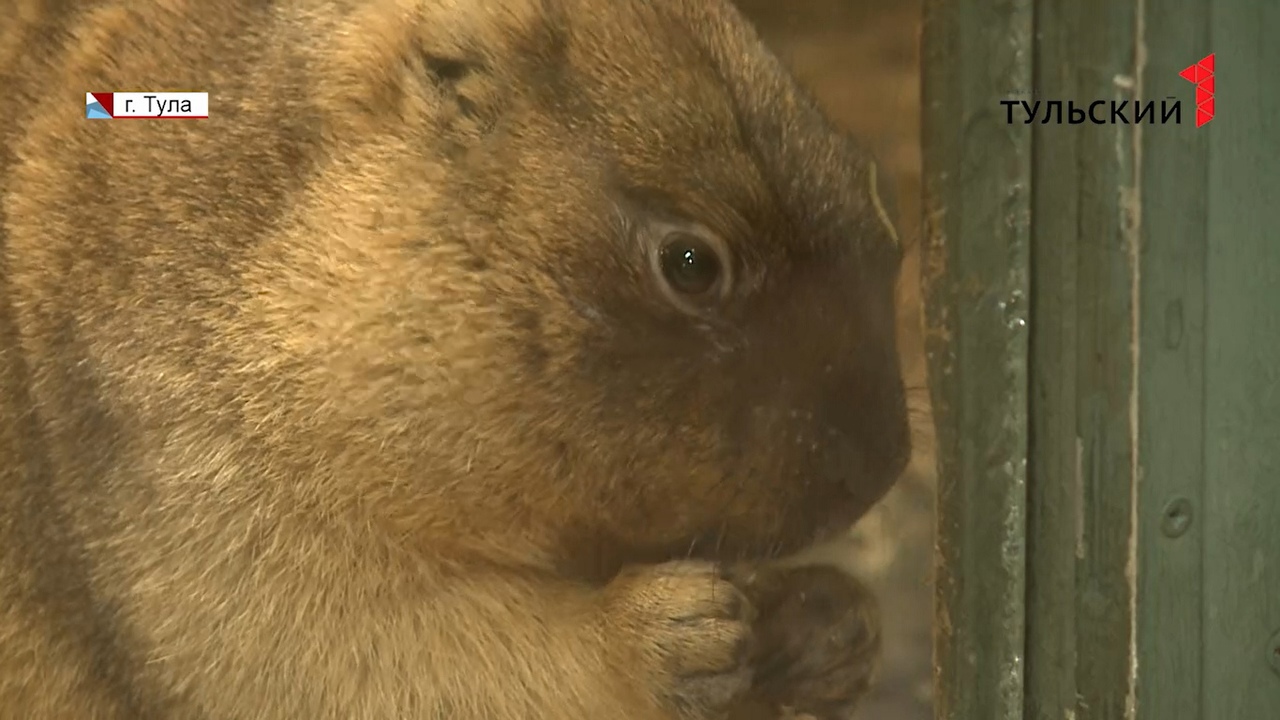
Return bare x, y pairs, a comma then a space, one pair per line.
817, 641
690, 629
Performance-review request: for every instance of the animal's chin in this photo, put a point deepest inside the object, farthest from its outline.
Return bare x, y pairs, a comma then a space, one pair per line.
837, 517
838, 523
825, 520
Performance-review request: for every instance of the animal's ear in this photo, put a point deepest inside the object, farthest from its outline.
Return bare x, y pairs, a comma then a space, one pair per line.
450, 64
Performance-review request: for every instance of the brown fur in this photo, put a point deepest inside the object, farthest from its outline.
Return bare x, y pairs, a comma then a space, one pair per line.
360, 399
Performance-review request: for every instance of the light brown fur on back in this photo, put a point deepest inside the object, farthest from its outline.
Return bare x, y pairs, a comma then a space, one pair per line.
355, 399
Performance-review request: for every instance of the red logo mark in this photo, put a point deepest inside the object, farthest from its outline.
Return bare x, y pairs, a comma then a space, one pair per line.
1202, 75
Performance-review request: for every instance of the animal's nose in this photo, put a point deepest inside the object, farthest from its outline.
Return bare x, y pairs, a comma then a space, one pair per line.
868, 439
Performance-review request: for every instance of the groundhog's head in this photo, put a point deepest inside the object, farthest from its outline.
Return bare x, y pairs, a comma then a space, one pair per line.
593, 266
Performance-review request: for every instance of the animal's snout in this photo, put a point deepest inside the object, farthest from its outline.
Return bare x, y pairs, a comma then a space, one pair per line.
866, 437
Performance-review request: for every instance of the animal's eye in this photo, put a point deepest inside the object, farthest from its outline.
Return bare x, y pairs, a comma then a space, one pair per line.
690, 265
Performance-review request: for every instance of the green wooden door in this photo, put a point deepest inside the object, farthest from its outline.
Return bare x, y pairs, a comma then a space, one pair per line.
1104, 317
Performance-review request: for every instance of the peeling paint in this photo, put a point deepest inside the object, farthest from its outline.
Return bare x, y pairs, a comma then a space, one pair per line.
1078, 497
1131, 209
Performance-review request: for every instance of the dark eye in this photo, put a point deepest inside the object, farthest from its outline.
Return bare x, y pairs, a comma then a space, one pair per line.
689, 264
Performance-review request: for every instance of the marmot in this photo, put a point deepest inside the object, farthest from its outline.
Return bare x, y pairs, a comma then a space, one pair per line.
471, 361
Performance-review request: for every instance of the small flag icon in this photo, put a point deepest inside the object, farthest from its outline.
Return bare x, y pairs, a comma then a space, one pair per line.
95, 108
1201, 75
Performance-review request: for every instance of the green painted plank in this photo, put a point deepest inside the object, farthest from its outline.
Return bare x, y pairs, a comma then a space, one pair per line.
1081, 585
1054, 503
976, 187
1172, 387
1242, 421
1151, 407
1101, 360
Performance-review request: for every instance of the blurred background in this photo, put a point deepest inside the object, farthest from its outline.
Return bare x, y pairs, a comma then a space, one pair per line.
861, 59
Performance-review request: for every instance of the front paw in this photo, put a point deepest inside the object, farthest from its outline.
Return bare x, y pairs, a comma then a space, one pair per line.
817, 641
687, 631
